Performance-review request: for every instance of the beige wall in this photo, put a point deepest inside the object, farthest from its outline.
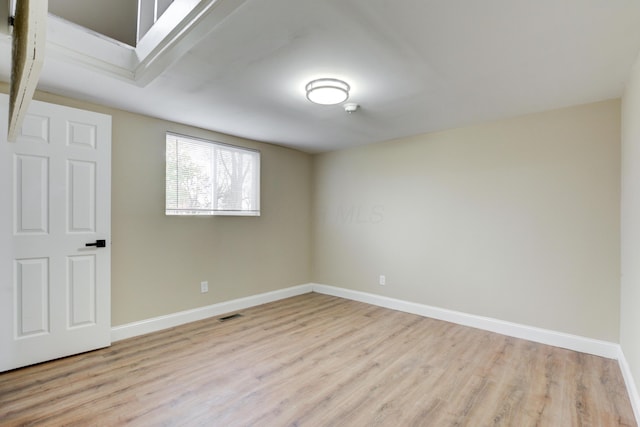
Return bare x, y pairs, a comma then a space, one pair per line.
630, 232
158, 262
516, 220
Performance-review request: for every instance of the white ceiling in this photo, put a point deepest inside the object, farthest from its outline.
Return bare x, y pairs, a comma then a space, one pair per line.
415, 66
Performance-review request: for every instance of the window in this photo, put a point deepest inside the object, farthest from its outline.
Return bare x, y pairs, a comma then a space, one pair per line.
210, 178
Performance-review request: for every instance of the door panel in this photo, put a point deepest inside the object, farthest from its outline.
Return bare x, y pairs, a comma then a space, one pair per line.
81, 177
31, 207
82, 290
55, 184
32, 286
82, 135
35, 129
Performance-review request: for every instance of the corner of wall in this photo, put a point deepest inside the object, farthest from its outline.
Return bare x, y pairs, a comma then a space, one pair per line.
632, 389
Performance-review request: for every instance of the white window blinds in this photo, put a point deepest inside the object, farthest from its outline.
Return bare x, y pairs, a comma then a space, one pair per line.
210, 178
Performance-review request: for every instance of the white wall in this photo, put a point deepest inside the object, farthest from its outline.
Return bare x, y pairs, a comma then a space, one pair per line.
630, 224
516, 220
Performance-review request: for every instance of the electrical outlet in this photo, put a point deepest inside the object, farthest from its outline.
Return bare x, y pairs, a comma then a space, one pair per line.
204, 287
383, 280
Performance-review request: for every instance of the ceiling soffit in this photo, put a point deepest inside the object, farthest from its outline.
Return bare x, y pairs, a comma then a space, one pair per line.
179, 29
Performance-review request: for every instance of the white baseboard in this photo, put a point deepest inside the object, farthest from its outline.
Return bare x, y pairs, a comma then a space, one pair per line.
632, 389
558, 339
544, 336
154, 324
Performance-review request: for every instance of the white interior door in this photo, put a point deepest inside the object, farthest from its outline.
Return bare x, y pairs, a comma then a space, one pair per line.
55, 198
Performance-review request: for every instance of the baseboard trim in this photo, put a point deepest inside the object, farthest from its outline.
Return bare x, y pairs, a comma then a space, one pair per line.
544, 336
159, 323
632, 389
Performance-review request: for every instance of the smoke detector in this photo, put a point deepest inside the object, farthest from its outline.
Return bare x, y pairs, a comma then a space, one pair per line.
351, 107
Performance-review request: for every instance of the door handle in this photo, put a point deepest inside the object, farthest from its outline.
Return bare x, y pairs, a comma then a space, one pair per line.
98, 244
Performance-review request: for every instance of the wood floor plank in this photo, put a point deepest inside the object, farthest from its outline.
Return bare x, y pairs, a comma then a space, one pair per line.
317, 360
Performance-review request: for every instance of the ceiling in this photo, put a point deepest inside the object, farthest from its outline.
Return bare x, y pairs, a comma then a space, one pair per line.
414, 66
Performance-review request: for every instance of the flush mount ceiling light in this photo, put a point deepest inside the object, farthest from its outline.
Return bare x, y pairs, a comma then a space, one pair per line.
327, 91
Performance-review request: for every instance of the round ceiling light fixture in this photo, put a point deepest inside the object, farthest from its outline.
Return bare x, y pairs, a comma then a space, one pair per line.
327, 91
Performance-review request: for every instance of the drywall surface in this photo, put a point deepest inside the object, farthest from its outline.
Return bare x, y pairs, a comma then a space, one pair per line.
516, 220
158, 261
630, 227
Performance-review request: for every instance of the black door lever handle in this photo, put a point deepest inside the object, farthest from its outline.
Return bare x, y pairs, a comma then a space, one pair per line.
98, 244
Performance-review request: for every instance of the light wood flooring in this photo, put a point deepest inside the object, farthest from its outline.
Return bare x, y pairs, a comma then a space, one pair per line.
317, 360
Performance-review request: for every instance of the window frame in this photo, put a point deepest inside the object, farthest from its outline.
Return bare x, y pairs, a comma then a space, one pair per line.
215, 146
